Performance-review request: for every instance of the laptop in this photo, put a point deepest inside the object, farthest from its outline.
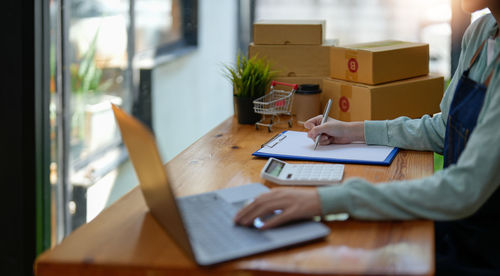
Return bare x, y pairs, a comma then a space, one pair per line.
202, 225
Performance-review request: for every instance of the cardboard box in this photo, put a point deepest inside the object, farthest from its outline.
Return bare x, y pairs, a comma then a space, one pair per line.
379, 62
295, 60
357, 102
289, 32
299, 81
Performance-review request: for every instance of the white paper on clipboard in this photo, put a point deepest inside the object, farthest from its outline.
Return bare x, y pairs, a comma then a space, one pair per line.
296, 145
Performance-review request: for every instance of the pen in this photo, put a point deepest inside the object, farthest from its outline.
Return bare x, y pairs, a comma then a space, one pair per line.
325, 117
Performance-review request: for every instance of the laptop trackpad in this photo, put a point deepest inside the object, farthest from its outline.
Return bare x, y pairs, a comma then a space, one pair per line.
240, 194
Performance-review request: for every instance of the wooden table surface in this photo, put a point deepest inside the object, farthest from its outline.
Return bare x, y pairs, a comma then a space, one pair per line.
125, 239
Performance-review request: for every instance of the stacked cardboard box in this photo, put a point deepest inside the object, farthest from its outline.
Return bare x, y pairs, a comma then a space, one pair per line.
296, 49
289, 32
381, 80
370, 81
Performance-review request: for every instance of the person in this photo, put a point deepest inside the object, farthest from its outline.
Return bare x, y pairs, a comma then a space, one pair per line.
463, 198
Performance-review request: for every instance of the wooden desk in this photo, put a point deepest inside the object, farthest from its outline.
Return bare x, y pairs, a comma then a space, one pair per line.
125, 240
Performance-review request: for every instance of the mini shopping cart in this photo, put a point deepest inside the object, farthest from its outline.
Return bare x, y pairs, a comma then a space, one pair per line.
275, 103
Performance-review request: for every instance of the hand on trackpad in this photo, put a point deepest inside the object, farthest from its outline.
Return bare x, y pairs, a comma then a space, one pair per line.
259, 221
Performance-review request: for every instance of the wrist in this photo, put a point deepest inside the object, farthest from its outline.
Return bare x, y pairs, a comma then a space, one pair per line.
357, 131
316, 208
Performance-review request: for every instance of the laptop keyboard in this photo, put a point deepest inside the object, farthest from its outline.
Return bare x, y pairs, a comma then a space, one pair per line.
209, 223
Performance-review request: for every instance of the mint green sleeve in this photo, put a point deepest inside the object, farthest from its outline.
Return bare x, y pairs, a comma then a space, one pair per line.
426, 133
453, 193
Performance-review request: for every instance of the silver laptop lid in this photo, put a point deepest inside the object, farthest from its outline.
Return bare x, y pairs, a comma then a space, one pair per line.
153, 178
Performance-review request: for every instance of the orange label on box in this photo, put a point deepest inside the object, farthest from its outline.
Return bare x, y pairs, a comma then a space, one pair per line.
352, 65
344, 103
351, 59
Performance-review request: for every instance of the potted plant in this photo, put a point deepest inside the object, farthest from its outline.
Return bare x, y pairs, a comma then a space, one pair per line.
87, 92
250, 78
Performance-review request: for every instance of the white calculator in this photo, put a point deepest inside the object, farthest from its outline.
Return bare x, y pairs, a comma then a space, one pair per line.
284, 173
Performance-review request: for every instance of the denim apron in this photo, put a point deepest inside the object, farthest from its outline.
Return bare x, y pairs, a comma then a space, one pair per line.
469, 246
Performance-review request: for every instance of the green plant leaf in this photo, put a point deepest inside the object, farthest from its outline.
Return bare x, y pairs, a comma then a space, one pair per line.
86, 76
88, 57
249, 76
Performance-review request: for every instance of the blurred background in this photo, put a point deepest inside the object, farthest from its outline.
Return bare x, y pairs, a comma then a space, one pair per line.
161, 60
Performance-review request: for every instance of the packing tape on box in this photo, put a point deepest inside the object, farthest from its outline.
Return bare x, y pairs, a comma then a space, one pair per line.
345, 103
351, 60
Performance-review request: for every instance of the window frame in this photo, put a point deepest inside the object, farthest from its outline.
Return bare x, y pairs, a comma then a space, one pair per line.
64, 190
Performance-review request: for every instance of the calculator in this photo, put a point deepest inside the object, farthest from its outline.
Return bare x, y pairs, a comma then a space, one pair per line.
281, 172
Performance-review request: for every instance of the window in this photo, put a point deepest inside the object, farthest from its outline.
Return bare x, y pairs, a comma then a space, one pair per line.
156, 24
93, 45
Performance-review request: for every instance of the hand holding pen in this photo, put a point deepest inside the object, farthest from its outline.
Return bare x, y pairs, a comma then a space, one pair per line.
334, 131
323, 120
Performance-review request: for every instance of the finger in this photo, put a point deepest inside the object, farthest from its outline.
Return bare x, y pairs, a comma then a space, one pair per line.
258, 208
310, 134
259, 211
317, 130
324, 140
243, 212
277, 220
272, 195
309, 124
247, 206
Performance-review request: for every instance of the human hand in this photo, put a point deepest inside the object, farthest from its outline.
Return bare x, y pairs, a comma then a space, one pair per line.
335, 131
294, 204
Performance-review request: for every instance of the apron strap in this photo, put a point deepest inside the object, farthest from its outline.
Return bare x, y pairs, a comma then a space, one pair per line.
476, 54
487, 82
474, 58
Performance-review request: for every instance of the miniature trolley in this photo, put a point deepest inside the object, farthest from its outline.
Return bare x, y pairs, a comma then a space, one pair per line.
275, 103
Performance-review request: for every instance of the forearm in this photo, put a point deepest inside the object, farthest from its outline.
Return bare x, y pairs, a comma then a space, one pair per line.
402, 200
438, 197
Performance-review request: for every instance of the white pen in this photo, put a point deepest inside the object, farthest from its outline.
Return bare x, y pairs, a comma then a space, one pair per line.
325, 118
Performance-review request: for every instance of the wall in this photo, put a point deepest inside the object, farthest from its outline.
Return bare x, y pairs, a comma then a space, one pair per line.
190, 94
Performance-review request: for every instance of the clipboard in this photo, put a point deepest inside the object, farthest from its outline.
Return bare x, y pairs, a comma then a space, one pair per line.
295, 145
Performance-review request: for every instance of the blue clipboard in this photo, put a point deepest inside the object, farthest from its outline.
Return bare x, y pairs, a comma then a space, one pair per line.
295, 145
